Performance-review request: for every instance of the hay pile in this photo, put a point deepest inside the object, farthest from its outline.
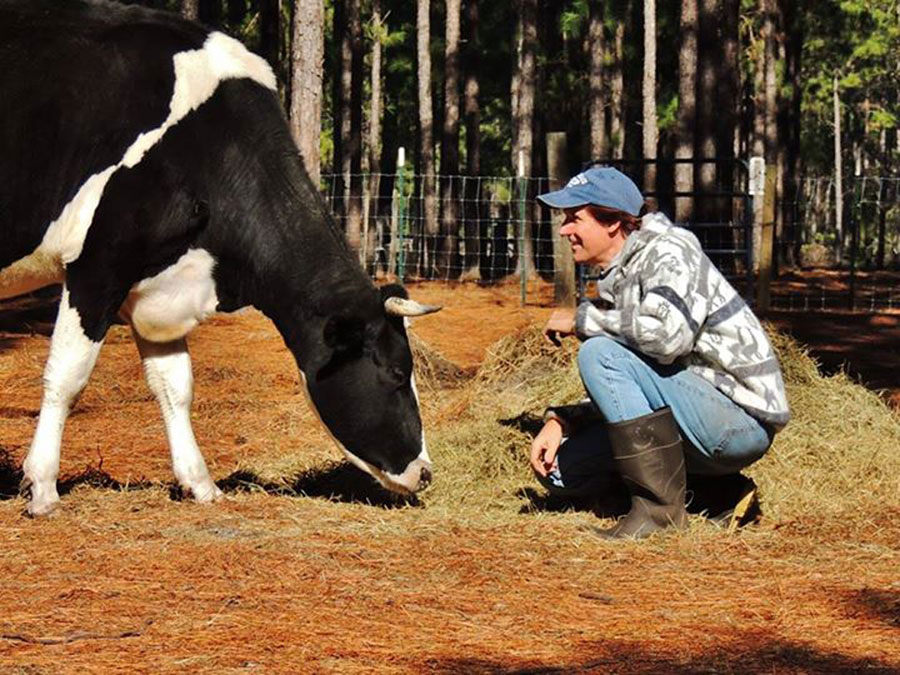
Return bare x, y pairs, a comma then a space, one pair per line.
840, 453
841, 450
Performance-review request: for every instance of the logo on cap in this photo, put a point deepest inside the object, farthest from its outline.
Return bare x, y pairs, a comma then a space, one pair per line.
580, 179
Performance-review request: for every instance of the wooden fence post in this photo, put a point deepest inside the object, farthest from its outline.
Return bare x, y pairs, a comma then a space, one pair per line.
563, 263
767, 243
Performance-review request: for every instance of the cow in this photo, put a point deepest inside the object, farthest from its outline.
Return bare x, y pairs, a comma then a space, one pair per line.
147, 166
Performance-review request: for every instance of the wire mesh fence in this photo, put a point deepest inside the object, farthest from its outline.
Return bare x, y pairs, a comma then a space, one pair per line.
484, 228
857, 254
474, 228
487, 228
868, 233
830, 291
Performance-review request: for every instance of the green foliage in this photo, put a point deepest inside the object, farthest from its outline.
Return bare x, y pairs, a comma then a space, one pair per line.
859, 42
856, 40
883, 119
667, 114
572, 20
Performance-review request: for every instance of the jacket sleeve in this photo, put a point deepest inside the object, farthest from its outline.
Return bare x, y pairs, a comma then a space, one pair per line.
575, 417
665, 322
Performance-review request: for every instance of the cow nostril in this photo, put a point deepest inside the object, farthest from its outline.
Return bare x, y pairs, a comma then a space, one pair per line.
425, 476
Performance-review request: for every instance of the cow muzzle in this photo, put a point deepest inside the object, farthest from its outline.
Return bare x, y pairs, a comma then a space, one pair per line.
416, 477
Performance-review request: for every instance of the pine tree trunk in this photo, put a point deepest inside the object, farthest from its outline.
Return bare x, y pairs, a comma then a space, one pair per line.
353, 128
527, 78
729, 104
426, 130
307, 54
190, 9
759, 129
617, 93
597, 103
472, 114
372, 215
648, 90
771, 84
339, 106
514, 88
707, 109
447, 263
838, 172
687, 110
783, 251
771, 96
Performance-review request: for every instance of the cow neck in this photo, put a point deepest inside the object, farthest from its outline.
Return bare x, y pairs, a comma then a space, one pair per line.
308, 272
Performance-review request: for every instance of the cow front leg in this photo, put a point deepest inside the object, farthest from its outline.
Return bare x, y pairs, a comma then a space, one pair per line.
167, 366
69, 365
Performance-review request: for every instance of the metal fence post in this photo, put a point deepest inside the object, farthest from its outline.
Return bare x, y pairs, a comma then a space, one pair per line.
523, 195
401, 214
854, 218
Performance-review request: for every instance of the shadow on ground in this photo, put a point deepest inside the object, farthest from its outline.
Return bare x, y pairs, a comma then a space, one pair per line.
10, 475
878, 604
342, 483
527, 423
92, 476
760, 653
335, 482
862, 344
29, 314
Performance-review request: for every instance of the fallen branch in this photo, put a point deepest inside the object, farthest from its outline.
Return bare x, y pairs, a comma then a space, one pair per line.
72, 637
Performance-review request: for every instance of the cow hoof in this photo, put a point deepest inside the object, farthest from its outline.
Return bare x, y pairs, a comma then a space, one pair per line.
207, 494
36, 509
41, 501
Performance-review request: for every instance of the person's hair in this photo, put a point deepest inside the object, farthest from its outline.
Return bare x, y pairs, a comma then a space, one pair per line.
629, 222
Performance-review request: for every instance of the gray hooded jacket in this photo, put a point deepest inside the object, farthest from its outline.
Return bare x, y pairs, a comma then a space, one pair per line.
670, 303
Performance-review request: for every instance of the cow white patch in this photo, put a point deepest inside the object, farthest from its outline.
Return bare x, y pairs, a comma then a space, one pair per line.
412, 381
168, 371
168, 306
198, 74
69, 365
34, 271
424, 454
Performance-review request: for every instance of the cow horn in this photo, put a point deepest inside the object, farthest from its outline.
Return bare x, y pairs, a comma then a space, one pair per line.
395, 306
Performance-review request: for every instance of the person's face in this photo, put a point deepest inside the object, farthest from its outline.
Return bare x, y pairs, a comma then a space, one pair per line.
593, 241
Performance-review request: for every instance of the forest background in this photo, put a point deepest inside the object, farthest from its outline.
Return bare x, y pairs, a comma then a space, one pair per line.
475, 89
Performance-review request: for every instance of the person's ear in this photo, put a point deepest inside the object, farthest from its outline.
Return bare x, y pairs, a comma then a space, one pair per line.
615, 227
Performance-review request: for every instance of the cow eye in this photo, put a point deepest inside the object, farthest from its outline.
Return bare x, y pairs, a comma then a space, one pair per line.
397, 376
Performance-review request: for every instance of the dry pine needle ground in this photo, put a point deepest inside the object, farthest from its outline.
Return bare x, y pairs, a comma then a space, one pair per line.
307, 567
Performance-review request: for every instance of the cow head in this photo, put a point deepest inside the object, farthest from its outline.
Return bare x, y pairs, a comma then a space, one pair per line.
363, 388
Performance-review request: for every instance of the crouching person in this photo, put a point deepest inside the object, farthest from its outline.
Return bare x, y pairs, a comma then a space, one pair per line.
681, 377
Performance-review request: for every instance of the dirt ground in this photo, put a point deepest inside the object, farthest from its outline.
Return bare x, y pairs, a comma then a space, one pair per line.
126, 577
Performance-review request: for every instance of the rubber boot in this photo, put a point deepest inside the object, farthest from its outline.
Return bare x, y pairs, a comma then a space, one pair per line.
647, 452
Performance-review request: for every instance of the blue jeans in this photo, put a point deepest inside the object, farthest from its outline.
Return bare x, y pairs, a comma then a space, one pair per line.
721, 436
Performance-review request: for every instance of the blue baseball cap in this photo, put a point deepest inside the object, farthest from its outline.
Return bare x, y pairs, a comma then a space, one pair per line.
599, 186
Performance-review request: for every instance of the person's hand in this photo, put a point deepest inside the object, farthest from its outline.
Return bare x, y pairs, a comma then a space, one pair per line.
545, 446
561, 324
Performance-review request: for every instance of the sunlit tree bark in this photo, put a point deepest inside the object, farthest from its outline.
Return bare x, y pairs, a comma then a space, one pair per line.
307, 53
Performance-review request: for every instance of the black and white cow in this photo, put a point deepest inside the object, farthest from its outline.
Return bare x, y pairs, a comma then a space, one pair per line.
146, 164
